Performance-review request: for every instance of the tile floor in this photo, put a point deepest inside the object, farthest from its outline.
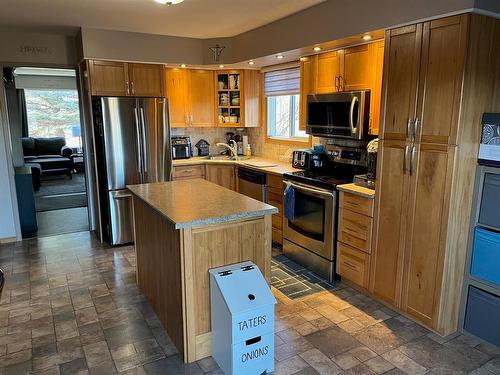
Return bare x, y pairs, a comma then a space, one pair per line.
71, 306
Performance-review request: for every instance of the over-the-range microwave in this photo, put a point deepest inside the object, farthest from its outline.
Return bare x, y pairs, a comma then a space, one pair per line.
339, 115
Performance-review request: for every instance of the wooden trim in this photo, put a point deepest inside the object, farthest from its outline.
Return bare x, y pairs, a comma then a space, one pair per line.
187, 295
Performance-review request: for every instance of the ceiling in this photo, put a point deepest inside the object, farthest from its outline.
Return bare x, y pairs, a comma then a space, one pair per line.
192, 18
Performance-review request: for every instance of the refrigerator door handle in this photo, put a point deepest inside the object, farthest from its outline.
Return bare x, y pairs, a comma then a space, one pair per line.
144, 143
166, 153
138, 139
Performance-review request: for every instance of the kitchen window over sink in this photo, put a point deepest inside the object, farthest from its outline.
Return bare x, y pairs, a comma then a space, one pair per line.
281, 89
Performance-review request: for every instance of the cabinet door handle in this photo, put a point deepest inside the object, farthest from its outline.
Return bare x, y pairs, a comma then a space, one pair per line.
412, 157
405, 158
408, 128
341, 83
337, 82
416, 124
127, 87
132, 85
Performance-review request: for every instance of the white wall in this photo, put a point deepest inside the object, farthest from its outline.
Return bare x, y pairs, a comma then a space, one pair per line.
8, 207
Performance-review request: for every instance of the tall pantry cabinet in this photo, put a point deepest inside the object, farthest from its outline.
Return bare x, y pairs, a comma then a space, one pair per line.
439, 78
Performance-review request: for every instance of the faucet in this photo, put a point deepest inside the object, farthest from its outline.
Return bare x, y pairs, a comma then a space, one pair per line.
233, 149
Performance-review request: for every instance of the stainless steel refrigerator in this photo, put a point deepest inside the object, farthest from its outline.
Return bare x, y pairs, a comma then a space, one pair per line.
132, 147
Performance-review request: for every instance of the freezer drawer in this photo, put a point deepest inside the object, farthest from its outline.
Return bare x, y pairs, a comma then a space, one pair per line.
482, 318
121, 217
486, 255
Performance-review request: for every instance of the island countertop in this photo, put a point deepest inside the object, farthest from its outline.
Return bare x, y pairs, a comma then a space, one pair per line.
191, 203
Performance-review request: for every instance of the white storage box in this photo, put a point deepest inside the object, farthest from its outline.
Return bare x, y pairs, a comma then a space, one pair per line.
242, 317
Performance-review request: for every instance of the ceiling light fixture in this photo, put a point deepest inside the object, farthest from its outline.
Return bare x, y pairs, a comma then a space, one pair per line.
280, 56
169, 2
367, 37
221, 66
183, 65
251, 62
303, 58
317, 49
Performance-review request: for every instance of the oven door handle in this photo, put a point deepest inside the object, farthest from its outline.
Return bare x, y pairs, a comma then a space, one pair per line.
320, 192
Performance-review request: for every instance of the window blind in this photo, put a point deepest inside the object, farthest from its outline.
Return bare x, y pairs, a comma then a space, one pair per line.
282, 82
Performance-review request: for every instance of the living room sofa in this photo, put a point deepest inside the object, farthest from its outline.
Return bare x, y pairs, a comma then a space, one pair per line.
50, 155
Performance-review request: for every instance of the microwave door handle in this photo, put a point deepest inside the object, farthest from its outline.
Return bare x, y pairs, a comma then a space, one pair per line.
354, 130
138, 140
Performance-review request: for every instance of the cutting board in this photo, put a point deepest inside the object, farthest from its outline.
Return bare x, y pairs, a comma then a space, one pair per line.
260, 164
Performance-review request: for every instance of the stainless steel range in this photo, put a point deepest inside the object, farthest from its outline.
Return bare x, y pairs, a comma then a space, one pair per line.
311, 208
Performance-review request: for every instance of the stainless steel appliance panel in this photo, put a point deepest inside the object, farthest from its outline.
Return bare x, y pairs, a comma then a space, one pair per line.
121, 217
252, 184
121, 145
315, 220
319, 265
154, 136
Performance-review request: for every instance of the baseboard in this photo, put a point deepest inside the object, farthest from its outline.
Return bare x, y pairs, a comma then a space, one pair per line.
7, 240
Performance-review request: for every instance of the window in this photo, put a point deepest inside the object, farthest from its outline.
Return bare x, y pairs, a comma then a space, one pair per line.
281, 89
54, 113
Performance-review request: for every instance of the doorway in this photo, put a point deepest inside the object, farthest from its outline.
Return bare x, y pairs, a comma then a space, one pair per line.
46, 135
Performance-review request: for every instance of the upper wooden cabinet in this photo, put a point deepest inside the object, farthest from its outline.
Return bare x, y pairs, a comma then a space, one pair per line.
441, 75
190, 94
307, 84
328, 68
108, 78
349, 69
437, 86
402, 60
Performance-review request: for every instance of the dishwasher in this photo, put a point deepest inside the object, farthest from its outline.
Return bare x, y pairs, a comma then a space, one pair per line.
252, 184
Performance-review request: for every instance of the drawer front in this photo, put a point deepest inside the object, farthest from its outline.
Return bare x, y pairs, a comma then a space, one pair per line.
189, 171
277, 220
355, 230
357, 203
275, 182
353, 264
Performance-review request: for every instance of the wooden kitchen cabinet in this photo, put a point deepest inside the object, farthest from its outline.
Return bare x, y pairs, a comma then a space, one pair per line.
307, 84
176, 92
223, 175
190, 94
275, 198
402, 61
356, 73
188, 172
436, 89
201, 97
328, 68
376, 86
108, 78
354, 244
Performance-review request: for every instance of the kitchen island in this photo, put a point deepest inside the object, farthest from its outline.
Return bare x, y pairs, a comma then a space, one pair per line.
182, 229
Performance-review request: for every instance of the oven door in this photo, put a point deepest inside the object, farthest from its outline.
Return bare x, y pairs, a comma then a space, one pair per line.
314, 219
336, 115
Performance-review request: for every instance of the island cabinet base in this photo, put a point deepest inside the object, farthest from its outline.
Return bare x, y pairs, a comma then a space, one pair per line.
173, 264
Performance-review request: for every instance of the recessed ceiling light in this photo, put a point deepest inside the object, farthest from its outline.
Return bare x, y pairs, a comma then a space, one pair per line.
183, 65
317, 49
367, 37
221, 66
280, 56
251, 62
169, 2
303, 58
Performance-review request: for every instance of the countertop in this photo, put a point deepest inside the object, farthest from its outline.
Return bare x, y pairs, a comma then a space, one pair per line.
279, 169
192, 203
358, 190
